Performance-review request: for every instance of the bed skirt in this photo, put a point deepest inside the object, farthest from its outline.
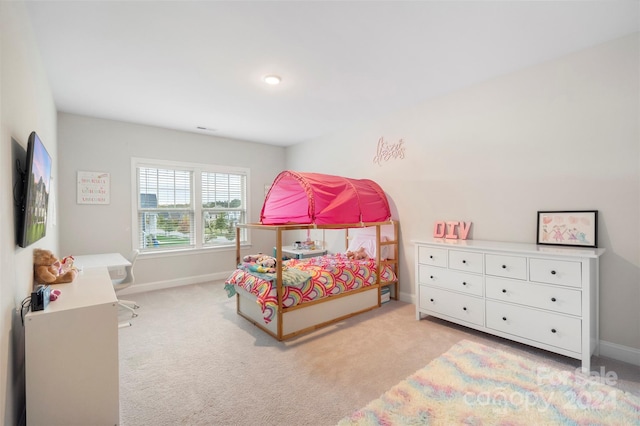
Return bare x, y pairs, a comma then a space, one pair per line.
308, 316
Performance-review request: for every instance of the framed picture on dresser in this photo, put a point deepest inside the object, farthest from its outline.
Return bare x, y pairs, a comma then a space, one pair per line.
568, 228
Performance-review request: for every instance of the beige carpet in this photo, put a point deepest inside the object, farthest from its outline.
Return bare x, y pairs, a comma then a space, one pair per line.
189, 359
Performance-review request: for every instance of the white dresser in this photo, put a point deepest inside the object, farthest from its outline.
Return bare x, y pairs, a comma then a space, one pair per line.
544, 296
71, 355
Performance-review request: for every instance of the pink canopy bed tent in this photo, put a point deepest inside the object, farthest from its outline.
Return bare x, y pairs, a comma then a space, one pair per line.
338, 287
314, 198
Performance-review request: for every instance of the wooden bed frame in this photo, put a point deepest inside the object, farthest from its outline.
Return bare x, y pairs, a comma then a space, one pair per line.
309, 316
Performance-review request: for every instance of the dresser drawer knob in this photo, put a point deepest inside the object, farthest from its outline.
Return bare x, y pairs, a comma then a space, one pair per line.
504, 266
553, 272
553, 330
464, 308
464, 283
430, 256
553, 299
431, 276
504, 318
504, 290
464, 261
431, 300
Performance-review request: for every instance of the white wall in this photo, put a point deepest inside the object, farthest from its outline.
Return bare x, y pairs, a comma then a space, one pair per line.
26, 105
90, 144
559, 136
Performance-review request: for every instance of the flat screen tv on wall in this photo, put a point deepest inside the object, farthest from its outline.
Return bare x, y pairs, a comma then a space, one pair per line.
35, 194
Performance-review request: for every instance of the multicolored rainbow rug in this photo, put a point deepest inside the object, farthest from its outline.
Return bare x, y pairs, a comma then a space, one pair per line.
473, 384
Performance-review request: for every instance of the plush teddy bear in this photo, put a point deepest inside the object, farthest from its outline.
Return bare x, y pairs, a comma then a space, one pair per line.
359, 254
47, 269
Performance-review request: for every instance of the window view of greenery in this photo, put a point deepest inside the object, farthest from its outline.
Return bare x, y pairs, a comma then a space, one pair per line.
220, 227
166, 213
223, 206
166, 208
162, 229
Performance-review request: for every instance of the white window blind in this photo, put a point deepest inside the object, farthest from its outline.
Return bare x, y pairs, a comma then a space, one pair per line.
223, 206
191, 206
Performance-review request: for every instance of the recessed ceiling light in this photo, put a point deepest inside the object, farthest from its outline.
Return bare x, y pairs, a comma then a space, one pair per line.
272, 79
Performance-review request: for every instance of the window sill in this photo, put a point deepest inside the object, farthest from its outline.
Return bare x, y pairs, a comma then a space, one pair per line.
189, 251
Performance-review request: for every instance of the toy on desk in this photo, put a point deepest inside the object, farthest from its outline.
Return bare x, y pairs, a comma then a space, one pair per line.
54, 295
47, 269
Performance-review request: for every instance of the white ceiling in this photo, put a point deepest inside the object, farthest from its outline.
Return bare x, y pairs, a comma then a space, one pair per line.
180, 65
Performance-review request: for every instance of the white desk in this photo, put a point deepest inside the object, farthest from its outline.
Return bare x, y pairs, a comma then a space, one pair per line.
114, 262
108, 260
71, 355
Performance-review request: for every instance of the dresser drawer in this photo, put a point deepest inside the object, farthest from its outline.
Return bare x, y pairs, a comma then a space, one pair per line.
465, 261
451, 280
459, 306
432, 256
556, 299
506, 266
545, 327
555, 272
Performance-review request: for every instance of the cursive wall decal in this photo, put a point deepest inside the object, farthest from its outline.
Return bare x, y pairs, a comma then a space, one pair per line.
387, 151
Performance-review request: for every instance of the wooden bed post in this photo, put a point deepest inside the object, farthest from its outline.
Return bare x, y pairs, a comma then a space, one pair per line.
237, 263
346, 239
279, 278
378, 264
396, 254
237, 246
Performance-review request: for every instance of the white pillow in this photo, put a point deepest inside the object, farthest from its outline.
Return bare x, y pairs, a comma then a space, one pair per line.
369, 244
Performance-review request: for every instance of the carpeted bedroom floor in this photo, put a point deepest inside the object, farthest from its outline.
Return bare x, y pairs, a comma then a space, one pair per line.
189, 359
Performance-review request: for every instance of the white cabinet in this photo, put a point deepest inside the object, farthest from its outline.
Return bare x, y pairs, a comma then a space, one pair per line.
544, 296
71, 355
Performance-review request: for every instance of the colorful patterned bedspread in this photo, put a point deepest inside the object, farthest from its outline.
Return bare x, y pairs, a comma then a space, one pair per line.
330, 275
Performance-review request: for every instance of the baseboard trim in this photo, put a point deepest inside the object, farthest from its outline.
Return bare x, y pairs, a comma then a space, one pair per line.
178, 282
620, 352
408, 298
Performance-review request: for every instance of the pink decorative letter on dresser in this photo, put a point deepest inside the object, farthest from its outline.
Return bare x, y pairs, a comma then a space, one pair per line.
464, 230
440, 228
452, 230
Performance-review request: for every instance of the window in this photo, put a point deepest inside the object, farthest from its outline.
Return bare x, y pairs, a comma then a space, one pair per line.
222, 206
188, 206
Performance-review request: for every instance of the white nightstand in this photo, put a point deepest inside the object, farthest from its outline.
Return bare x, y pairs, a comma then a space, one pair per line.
294, 253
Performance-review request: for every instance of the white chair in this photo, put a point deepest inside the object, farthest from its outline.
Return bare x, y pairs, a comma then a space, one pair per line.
127, 281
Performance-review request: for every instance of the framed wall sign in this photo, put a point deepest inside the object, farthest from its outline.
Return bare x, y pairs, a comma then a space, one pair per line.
93, 188
568, 228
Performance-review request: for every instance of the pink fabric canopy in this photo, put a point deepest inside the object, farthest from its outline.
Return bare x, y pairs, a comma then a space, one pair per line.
314, 198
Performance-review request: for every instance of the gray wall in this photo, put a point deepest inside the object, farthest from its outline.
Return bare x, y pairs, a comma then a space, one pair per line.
90, 144
562, 135
26, 105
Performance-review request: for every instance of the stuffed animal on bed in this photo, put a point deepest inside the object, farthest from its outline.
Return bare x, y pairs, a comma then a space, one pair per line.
252, 258
260, 263
359, 254
266, 265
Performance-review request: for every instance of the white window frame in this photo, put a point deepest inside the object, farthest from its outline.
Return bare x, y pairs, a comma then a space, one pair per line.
197, 169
